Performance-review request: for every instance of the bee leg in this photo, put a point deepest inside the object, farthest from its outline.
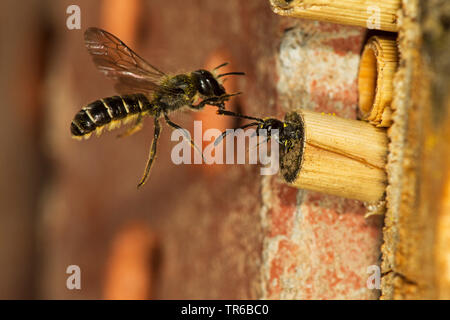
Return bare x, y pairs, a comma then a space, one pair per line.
224, 134
237, 115
220, 102
265, 141
203, 103
215, 101
185, 133
152, 154
133, 129
227, 96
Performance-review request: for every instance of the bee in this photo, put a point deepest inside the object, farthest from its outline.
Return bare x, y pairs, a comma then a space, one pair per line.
288, 132
144, 90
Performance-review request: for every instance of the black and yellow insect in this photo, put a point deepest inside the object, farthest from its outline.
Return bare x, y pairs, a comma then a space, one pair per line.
288, 132
144, 91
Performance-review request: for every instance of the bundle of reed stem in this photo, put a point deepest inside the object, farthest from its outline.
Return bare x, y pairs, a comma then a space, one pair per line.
379, 62
371, 14
336, 156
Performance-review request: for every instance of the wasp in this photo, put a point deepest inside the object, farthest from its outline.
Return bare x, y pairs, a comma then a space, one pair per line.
144, 90
286, 133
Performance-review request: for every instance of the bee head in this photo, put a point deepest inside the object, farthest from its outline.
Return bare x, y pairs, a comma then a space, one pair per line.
287, 131
267, 125
271, 123
207, 84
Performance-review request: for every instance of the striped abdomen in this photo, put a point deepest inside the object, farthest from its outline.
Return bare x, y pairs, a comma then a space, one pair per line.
110, 112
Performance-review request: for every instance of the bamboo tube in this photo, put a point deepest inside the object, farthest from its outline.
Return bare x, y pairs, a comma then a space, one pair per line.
372, 14
379, 62
336, 156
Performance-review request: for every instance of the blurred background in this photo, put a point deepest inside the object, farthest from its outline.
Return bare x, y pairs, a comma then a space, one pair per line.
193, 231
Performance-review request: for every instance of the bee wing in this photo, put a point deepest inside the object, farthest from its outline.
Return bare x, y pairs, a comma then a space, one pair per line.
127, 85
117, 61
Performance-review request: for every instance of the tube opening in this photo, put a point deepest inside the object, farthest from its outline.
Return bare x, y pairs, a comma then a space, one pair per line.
367, 81
283, 4
291, 161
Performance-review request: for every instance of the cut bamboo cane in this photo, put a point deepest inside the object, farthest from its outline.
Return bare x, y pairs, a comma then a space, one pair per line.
371, 14
379, 62
336, 156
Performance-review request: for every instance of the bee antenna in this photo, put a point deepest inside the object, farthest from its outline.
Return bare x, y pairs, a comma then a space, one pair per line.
231, 73
222, 65
238, 115
224, 134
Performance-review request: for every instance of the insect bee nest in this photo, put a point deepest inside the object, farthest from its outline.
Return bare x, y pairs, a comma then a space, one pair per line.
336, 156
372, 14
377, 68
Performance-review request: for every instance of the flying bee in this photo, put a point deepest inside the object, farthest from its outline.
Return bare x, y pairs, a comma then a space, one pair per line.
288, 132
144, 91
